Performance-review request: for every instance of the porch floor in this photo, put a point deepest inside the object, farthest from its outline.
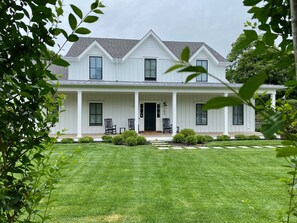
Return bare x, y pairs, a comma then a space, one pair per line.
157, 135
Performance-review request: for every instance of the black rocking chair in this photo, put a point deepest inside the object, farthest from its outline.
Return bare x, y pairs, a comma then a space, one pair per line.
167, 126
131, 124
109, 127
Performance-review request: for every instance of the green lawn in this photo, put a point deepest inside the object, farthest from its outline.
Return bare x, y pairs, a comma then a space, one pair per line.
245, 143
107, 183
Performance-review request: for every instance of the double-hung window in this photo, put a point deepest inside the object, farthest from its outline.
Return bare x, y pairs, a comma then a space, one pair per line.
238, 115
95, 114
95, 68
201, 116
202, 77
150, 69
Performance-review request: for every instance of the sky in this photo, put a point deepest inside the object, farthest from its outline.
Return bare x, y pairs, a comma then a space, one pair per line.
218, 23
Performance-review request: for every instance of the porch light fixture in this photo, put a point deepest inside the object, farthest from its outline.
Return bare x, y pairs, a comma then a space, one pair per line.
164, 104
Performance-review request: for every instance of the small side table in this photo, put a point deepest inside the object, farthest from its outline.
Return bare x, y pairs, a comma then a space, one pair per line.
122, 129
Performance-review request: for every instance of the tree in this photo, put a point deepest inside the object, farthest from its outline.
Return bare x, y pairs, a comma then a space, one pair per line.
28, 96
246, 63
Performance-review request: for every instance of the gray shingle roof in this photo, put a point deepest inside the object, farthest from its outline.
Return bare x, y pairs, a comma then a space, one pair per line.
118, 48
61, 72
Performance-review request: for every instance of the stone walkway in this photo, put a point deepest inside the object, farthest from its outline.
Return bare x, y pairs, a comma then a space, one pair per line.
162, 145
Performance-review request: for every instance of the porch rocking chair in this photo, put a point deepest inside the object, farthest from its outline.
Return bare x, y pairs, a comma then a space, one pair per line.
131, 124
168, 126
109, 127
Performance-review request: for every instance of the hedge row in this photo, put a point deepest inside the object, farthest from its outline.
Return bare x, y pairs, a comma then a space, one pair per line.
129, 138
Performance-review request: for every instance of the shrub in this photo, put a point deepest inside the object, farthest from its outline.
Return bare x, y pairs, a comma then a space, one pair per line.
271, 137
129, 133
67, 140
85, 139
179, 138
191, 139
208, 138
241, 137
201, 139
254, 137
223, 138
141, 140
107, 138
187, 132
131, 141
118, 140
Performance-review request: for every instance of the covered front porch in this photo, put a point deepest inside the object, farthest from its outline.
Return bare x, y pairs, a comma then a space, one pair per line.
148, 106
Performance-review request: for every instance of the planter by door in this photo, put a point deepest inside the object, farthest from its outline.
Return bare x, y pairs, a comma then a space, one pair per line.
150, 116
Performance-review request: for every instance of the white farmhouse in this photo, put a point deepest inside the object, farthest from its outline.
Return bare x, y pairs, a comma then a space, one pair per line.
124, 79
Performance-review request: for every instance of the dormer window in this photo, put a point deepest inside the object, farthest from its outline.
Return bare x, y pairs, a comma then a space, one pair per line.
95, 68
202, 77
150, 69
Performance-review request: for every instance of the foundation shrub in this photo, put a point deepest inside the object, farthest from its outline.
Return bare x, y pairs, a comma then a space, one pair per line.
201, 139
241, 137
85, 139
141, 140
131, 141
107, 139
179, 138
254, 137
191, 139
129, 133
223, 138
187, 132
67, 140
118, 140
208, 138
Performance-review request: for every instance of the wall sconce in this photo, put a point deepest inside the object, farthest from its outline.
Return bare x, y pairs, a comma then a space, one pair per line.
164, 104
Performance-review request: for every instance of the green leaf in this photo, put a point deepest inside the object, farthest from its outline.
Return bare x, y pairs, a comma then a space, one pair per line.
185, 54
220, 102
91, 19
269, 38
82, 30
197, 69
274, 124
61, 62
251, 34
98, 11
94, 5
72, 38
251, 2
192, 76
249, 88
77, 11
18, 16
72, 21
174, 67
286, 151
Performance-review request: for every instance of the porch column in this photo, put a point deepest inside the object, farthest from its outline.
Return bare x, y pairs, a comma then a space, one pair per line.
226, 132
79, 113
173, 113
136, 109
272, 97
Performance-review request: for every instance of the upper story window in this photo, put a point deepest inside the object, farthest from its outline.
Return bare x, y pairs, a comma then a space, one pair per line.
150, 69
202, 77
95, 68
238, 115
201, 116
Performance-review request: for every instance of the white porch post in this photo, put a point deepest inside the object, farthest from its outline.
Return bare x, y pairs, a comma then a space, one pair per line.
226, 132
79, 113
136, 109
272, 96
173, 113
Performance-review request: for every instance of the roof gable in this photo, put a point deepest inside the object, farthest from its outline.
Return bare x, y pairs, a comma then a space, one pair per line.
122, 48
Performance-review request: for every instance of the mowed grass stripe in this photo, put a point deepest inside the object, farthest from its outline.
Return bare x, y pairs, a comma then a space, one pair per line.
142, 184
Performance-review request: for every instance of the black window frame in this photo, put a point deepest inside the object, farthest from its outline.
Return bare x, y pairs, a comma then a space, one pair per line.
238, 115
141, 111
201, 114
204, 76
100, 69
158, 112
148, 76
97, 113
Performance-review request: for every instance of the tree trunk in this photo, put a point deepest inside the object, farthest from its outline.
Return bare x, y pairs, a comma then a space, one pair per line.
293, 9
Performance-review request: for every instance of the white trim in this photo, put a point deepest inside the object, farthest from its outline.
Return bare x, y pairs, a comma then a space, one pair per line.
79, 113
95, 43
150, 33
226, 121
136, 110
174, 115
203, 47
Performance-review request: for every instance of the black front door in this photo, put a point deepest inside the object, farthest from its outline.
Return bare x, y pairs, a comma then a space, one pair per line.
150, 116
